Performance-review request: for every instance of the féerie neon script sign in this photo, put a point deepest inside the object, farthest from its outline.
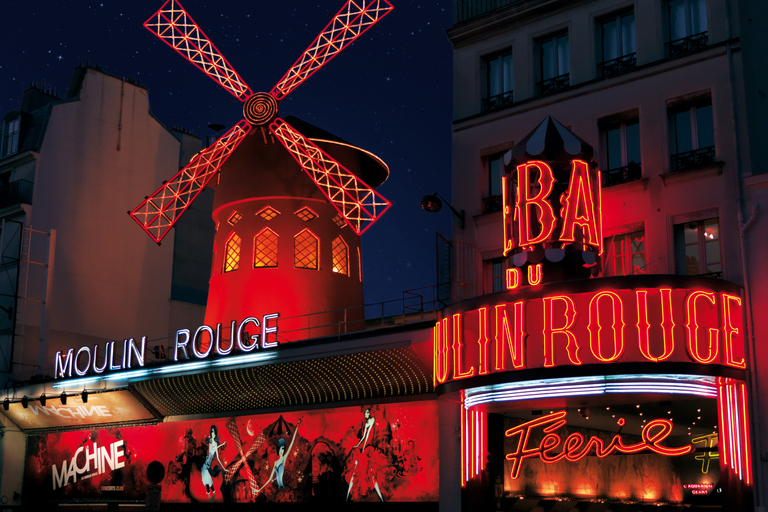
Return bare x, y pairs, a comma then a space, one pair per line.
553, 449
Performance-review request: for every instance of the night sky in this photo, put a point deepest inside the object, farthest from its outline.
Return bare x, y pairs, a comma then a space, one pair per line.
389, 93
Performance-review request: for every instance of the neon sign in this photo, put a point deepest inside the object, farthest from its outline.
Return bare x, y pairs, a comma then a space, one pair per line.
543, 216
205, 341
553, 449
550, 328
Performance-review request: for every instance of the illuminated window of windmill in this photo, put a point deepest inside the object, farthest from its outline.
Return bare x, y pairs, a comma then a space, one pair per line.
265, 249
359, 265
306, 250
232, 253
268, 213
340, 256
235, 218
306, 214
339, 221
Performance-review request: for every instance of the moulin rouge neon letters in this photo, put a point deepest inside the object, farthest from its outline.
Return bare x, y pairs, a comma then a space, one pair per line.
205, 341
594, 327
553, 449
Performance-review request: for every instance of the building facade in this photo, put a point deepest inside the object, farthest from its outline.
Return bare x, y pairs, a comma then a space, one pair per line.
667, 94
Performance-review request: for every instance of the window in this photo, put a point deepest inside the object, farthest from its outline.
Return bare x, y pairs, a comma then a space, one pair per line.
235, 218
624, 254
340, 256
268, 213
687, 26
697, 248
692, 135
11, 141
617, 38
232, 253
265, 249
498, 81
621, 137
305, 250
495, 165
554, 63
495, 274
306, 214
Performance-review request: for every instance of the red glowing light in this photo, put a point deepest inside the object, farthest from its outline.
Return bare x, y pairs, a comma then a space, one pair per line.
545, 215
693, 327
351, 21
596, 327
440, 351
176, 28
731, 302
644, 326
483, 340
535, 274
160, 211
569, 317
458, 351
355, 201
514, 344
574, 448
359, 204
579, 207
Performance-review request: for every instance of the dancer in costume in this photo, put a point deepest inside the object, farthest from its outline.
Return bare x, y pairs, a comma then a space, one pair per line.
206, 471
279, 467
366, 456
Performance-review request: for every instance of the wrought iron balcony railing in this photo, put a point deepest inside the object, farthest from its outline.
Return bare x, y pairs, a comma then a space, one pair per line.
619, 65
686, 45
554, 84
497, 102
16, 192
693, 159
626, 174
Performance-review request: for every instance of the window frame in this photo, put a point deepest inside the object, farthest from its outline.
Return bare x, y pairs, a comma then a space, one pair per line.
236, 258
266, 232
493, 202
681, 268
626, 257
504, 98
698, 156
316, 250
624, 60
11, 134
690, 42
559, 80
629, 170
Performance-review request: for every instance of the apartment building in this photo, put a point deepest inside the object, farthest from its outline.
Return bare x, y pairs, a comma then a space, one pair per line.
668, 95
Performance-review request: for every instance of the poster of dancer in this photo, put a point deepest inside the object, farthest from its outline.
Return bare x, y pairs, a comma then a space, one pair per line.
369, 453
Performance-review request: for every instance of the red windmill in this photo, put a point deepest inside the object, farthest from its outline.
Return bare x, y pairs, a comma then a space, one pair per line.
259, 183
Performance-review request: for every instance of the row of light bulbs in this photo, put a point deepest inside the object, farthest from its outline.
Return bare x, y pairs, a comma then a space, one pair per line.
25, 400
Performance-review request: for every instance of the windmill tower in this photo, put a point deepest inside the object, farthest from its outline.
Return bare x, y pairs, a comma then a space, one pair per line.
290, 206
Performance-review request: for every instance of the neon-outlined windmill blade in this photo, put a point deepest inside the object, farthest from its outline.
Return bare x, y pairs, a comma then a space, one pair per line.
354, 18
358, 203
175, 27
159, 212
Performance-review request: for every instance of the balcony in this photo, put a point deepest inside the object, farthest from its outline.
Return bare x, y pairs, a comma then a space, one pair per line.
554, 84
618, 66
694, 159
686, 45
620, 175
16, 192
497, 102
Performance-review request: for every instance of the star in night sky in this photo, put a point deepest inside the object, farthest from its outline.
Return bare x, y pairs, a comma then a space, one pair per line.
389, 93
